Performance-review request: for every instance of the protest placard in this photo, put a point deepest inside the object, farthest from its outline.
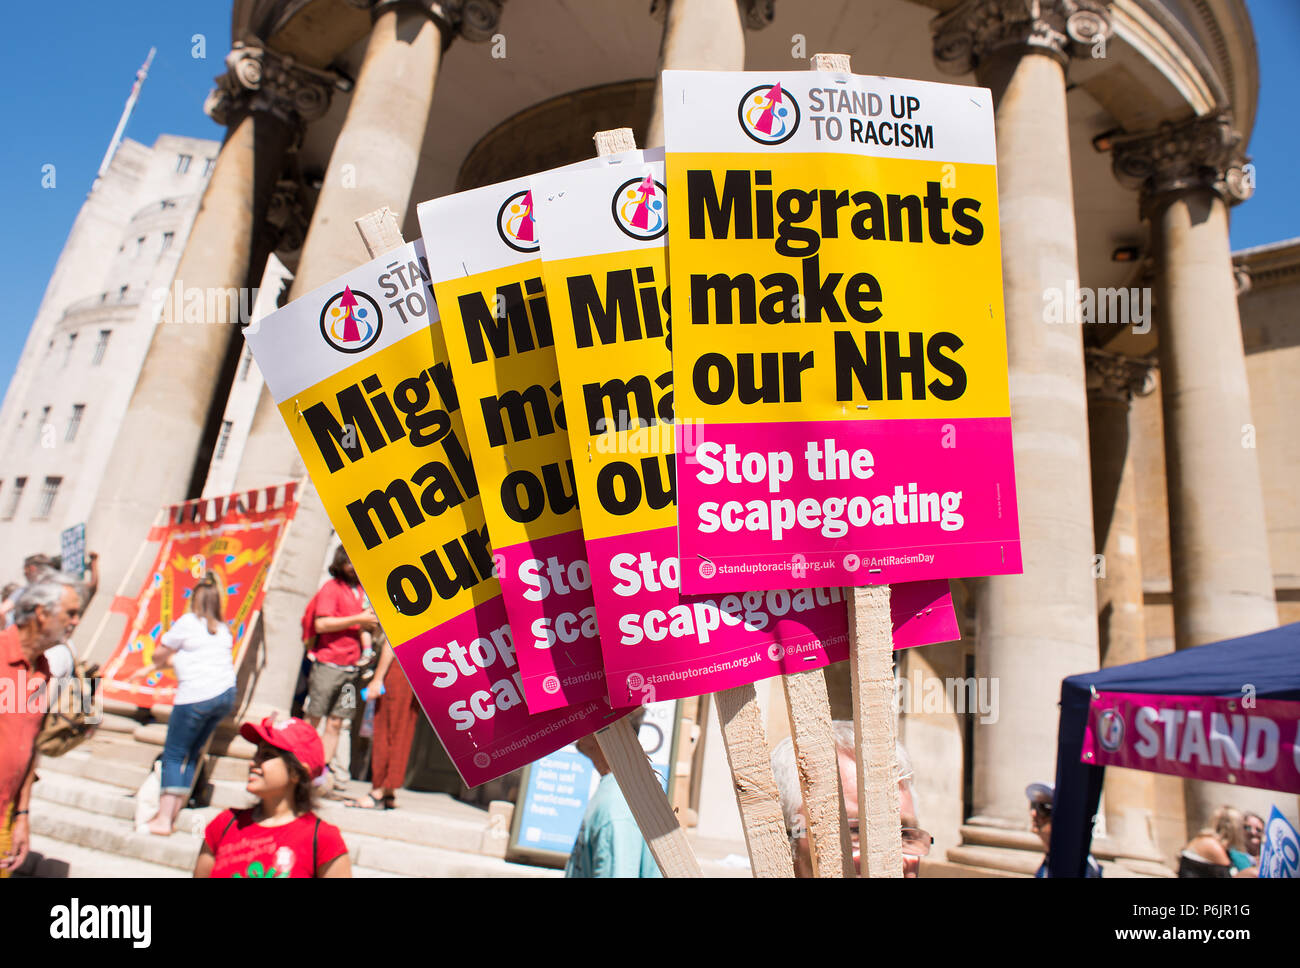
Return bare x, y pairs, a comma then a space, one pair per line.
484, 260
72, 550
359, 372
840, 347
1279, 853
604, 270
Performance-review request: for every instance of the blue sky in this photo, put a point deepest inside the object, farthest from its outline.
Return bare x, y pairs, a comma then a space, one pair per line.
67, 90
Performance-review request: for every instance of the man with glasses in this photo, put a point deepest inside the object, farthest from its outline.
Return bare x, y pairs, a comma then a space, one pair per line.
45, 613
1041, 796
916, 842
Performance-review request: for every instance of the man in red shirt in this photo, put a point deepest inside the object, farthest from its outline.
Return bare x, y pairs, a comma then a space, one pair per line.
340, 618
45, 613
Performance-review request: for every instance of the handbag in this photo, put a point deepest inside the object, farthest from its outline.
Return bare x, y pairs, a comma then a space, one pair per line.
73, 714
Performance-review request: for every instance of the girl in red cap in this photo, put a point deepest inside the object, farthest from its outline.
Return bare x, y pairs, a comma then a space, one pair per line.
280, 836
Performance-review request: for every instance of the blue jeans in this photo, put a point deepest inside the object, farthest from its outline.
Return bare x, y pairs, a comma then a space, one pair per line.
188, 729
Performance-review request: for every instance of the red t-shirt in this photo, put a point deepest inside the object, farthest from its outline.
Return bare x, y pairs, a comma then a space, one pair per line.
247, 849
22, 710
338, 599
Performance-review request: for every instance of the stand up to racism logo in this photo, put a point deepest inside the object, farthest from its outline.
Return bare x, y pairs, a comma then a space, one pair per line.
516, 224
639, 208
768, 114
350, 321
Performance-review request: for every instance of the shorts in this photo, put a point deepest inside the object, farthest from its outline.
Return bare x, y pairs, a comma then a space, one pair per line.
332, 690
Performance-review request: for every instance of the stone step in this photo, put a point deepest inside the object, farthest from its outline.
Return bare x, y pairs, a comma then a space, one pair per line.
81, 824
981, 836
54, 858
1005, 859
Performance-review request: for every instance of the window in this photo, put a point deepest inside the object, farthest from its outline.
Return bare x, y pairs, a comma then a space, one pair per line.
78, 409
100, 346
67, 353
167, 240
48, 493
15, 497
247, 365
139, 246
40, 424
183, 163
224, 439
22, 420
208, 164
121, 293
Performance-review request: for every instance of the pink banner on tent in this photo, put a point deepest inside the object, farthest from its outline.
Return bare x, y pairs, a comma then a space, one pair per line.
466, 675
546, 584
827, 503
1253, 743
659, 644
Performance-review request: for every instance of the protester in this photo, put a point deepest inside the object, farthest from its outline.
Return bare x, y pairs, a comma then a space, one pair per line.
280, 836
340, 619
916, 842
44, 613
396, 715
199, 649
1041, 797
1218, 850
7, 597
609, 842
1253, 825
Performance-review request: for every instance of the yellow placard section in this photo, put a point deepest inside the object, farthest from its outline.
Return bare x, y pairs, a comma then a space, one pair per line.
824, 287
385, 445
610, 316
498, 332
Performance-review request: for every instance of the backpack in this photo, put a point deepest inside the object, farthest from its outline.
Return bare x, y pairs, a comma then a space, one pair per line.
68, 723
309, 624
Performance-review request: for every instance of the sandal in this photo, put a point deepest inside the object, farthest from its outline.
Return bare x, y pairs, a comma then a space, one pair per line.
390, 802
368, 802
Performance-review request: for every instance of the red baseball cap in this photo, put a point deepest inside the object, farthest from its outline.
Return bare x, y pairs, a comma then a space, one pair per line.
291, 735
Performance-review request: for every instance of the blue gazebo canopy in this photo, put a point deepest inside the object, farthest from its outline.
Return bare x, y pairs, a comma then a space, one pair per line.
1268, 661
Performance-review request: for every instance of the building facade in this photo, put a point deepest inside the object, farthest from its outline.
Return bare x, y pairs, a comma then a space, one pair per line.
89, 339
1154, 459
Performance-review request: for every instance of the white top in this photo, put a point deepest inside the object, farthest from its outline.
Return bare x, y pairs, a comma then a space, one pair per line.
59, 657
202, 661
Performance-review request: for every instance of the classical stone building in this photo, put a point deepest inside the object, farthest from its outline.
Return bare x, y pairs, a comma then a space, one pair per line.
1154, 452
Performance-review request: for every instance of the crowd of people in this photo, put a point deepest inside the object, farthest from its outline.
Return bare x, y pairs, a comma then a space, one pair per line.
348, 656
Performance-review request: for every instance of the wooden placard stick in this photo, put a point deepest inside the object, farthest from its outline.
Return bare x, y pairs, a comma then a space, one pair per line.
871, 661
817, 759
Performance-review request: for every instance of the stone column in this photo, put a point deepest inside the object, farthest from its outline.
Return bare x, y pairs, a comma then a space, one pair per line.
701, 35
373, 164
1218, 542
265, 100
1130, 795
1036, 628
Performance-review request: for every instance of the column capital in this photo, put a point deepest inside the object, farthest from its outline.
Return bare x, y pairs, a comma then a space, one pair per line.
974, 30
1203, 153
287, 216
475, 20
1115, 378
259, 79
754, 14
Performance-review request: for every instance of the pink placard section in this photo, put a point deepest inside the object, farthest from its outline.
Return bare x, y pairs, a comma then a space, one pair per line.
465, 674
659, 644
1198, 737
826, 503
546, 585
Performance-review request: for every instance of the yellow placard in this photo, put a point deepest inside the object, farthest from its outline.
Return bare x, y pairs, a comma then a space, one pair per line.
821, 286
499, 333
384, 441
610, 315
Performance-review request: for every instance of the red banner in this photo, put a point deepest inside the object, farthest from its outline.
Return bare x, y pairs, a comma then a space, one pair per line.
1249, 742
239, 546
